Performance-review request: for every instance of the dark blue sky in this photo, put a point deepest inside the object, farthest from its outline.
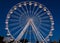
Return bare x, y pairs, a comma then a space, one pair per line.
52, 5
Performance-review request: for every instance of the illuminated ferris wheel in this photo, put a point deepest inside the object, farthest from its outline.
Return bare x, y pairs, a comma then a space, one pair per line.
29, 20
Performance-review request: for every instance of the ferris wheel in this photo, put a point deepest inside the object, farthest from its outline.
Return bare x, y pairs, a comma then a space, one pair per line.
29, 20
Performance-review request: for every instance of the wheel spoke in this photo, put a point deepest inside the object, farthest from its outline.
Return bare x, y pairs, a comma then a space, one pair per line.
36, 11
18, 31
44, 28
23, 10
20, 11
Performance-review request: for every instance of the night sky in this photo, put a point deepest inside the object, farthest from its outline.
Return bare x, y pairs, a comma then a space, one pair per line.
52, 5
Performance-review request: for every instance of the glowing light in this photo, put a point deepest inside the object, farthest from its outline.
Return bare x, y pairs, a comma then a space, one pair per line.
51, 18
11, 12
52, 28
6, 22
35, 4
48, 12
25, 4
40, 6
52, 23
11, 39
44, 8
48, 39
20, 5
15, 7
6, 28
30, 3
8, 34
8, 17
50, 34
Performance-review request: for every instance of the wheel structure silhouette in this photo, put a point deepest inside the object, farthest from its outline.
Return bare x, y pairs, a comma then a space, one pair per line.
29, 20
